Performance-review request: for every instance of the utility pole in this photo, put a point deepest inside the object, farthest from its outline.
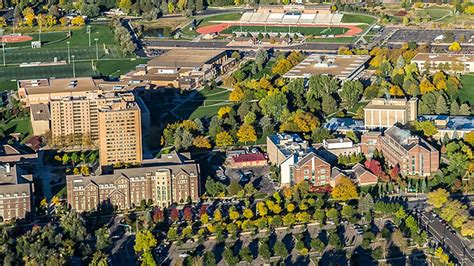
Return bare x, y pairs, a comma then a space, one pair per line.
68, 53
89, 32
96, 49
73, 67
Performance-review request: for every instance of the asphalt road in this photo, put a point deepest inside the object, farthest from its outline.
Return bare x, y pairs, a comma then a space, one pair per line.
451, 241
168, 44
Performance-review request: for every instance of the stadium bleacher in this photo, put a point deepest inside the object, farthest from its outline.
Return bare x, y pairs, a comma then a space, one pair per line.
307, 18
246, 17
290, 18
337, 18
275, 17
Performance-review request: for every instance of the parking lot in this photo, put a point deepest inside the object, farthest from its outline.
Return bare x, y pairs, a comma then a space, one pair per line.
258, 176
426, 36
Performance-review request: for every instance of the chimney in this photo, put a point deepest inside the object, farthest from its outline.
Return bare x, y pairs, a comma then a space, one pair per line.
7, 168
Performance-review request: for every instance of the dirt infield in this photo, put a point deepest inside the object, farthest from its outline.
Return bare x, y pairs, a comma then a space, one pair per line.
353, 30
14, 39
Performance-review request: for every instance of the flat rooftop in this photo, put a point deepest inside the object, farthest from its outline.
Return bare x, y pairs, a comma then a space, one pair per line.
388, 104
444, 57
61, 85
340, 66
185, 58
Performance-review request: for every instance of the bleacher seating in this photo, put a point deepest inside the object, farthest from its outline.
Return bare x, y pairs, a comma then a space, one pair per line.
291, 18
307, 18
275, 18
246, 17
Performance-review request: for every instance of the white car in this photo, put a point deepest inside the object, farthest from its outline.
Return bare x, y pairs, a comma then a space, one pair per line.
183, 255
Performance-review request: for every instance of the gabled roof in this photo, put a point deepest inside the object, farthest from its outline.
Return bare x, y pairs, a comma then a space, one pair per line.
308, 157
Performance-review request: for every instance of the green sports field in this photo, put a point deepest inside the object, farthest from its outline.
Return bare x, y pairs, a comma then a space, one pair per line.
316, 31
55, 47
113, 68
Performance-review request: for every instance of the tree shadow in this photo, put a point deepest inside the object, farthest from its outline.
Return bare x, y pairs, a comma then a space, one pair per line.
288, 241
396, 256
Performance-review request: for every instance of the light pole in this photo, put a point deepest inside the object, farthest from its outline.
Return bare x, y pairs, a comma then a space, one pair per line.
3, 48
96, 49
89, 32
73, 67
68, 53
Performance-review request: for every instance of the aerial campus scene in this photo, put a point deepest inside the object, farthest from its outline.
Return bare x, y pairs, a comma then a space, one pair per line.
231, 132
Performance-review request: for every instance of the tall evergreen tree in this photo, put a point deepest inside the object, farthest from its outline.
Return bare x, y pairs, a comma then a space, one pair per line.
441, 106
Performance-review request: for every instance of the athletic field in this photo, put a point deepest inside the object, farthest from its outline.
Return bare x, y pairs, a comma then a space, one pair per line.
316, 31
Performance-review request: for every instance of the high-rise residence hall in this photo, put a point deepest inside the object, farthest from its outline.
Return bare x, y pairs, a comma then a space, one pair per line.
35, 91
173, 178
384, 113
120, 132
412, 154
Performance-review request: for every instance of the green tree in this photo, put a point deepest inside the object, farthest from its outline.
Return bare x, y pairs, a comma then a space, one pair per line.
351, 92
264, 251
246, 255
441, 106
280, 250
229, 257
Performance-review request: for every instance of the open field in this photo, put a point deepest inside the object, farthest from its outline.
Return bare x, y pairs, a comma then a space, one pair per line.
55, 47
467, 92
434, 13
303, 30
83, 68
206, 103
358, 18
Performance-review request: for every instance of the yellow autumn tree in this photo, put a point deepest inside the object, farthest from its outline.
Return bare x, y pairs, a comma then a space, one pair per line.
29, 16
51, 20
223, 111
78, 21
202, 142
3, 22
63, 21
455, 47
396, 91
426, 86
189, 125
237, 94
344, 190
224, 139
246, 133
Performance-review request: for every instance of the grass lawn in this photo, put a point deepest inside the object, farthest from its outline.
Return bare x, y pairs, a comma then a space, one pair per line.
467, 92
302, 30
19, 125
204, 111
206, 103
7, 85
115, 68
433, 12
358, 18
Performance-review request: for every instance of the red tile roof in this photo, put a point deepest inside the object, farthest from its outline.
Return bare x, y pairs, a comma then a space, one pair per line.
251, 157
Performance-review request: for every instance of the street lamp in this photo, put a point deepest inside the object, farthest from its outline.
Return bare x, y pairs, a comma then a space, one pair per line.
73, 67
96, 49
68, 53
3, 48
89, 32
